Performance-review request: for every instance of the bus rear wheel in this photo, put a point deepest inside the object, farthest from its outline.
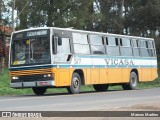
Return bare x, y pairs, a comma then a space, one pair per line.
75, 84
133, 81
39, 90
100, 88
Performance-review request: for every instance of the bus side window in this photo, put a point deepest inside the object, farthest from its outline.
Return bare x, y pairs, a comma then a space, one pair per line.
63, 51
80, 43
112, 46
125, 48
135, 47
106, 40
143, 49
65, 46
152, 48
97, 44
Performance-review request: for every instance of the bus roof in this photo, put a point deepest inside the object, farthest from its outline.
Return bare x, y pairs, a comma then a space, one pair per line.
87, 32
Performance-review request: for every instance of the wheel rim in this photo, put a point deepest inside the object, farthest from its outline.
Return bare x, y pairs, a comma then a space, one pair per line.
133, 81
75, 82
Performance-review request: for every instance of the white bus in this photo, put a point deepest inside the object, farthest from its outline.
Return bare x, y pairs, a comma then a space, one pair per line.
50, 57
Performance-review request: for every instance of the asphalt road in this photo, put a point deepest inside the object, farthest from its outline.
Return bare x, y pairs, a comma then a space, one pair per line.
145, 99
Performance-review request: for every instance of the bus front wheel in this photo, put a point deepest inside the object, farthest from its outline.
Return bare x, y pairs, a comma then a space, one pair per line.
74, 88
100, 88
133, 81
39, 90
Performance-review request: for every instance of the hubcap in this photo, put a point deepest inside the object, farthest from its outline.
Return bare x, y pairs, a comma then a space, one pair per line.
75, 82
133, 81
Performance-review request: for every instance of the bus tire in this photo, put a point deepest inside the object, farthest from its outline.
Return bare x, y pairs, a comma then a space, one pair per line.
101, 87
133, 81
39, 90
75, 84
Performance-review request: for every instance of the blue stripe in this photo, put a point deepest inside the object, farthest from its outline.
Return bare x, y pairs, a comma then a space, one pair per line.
30, 68
80, 66
102, 66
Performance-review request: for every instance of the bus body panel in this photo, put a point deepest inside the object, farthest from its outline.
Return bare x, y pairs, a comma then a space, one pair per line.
103, 73
126, 74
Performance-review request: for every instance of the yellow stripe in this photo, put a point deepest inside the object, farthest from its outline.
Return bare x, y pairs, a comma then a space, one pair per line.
30, 72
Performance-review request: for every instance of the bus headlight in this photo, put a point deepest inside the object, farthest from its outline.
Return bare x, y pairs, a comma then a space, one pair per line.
15, 78
48, 75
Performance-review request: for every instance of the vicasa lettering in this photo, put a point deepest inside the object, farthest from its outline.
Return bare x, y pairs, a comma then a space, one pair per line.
119, 62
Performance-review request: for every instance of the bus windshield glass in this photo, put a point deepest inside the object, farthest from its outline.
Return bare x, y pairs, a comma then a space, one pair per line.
31, 51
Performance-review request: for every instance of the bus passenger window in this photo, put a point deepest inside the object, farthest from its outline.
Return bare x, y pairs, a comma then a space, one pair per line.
125, 47
112, 41
106, 40
80, 38
116, 40
154, 49
125, 42
151, 48
81, 49
135, 47
97, 44
97, 49
112, 47
135, 43
80, 43
143, 49
63, 51
65, 47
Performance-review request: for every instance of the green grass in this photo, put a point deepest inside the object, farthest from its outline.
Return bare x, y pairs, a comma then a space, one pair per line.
6, 90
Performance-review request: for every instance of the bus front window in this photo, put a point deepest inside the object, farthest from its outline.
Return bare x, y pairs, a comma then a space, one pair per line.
30, 51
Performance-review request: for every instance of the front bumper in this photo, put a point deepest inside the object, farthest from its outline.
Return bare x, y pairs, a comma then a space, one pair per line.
32, 84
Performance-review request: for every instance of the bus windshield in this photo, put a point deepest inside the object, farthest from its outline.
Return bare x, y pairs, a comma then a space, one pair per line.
30, 51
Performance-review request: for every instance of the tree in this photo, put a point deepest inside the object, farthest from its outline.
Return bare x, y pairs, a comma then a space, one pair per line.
1, 35
66, 13
143, 17
20, 5
111, 16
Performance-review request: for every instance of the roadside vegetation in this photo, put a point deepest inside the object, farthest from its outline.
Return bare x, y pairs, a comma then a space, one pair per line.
6, 90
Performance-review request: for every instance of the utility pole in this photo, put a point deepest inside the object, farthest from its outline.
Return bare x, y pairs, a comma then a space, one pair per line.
13, 20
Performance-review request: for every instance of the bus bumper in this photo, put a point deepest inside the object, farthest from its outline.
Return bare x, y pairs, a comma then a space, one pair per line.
32, 84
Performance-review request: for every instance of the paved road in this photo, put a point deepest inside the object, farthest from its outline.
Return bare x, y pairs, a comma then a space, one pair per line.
145, 99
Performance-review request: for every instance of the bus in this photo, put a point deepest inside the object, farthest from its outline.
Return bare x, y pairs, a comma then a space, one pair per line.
50, 57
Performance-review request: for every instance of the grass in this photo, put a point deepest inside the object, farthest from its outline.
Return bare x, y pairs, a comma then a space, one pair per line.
6, 90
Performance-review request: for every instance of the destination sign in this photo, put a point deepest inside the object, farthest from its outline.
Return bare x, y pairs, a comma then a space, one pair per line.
19, 35
37, 33
30, 33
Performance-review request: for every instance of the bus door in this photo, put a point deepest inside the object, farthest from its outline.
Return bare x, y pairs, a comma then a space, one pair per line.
62, 57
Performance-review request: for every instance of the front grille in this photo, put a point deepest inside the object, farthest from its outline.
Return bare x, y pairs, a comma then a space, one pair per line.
30, 72
31, 75
32, 78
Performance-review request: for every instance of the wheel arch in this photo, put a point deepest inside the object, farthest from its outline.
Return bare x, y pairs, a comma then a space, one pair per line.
81, 74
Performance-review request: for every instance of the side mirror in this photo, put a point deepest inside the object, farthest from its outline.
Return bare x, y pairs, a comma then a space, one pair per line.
59, 41
54, 44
